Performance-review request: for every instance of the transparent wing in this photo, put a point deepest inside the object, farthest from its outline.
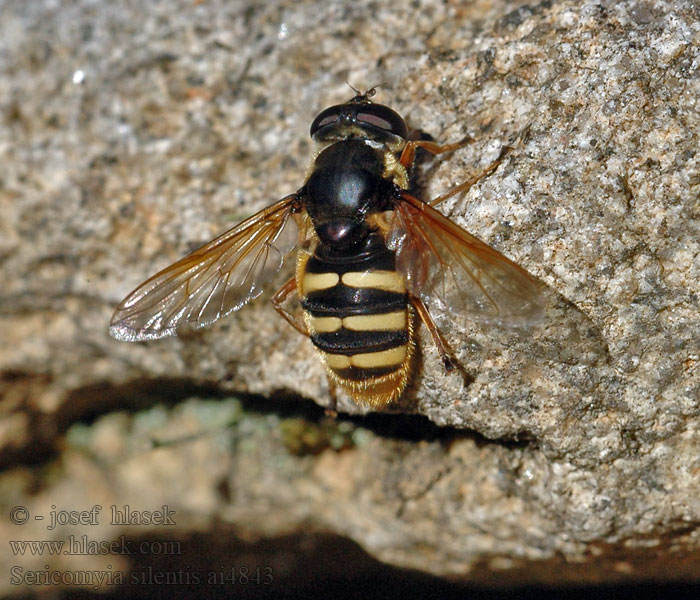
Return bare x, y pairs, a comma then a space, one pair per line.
446, 266
213, 281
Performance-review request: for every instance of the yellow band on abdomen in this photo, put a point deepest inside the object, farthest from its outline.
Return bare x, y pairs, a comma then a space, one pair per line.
367, 360
389, 281
319, 281
385, 358
388, 321
336, 361
323, 324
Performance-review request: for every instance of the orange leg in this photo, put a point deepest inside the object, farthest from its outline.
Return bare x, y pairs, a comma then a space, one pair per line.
332, 408
465, 186
279, 298
438, 339
409, 150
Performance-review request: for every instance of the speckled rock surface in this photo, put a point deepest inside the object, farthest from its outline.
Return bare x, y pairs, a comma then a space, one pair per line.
133, 132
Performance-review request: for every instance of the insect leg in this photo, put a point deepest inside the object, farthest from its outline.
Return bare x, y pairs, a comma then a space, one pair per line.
439, 341
279, 298
466, 185
332, 408
409, 150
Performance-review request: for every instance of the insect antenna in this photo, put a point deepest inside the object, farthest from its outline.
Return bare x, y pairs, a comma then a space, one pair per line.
362, 97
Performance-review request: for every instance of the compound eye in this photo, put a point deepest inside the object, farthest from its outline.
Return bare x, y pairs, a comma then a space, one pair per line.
377, 116
384, 118
327, 117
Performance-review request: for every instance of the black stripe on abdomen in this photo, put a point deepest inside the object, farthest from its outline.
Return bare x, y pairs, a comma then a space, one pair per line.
358, 315
357, 374
342, 301
348, 342
355, 304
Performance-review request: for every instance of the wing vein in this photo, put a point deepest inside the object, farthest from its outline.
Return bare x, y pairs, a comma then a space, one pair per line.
212, 281
443, 263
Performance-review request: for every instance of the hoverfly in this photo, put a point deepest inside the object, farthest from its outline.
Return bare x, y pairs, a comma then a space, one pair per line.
371, 258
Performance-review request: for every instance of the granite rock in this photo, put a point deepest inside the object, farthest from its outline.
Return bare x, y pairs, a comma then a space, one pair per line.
133, 132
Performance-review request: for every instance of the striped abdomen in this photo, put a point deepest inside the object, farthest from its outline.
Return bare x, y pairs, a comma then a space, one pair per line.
357, 313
